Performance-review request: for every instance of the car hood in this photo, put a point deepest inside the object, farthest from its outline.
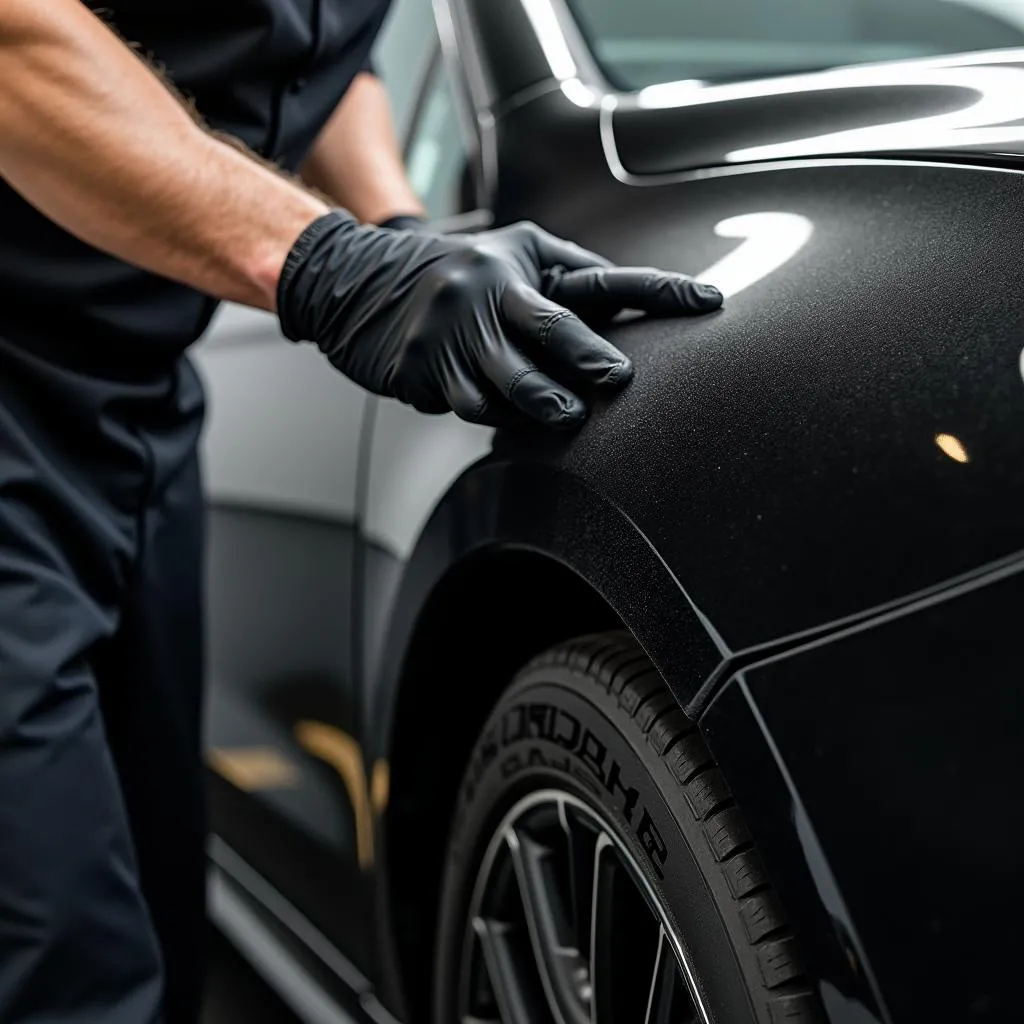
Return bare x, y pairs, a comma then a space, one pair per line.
961, 104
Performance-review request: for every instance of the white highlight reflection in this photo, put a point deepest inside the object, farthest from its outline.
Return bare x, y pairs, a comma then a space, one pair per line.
1000, 98
688, 91
552, 40
769, 241
580, 94
986, 119
672, 94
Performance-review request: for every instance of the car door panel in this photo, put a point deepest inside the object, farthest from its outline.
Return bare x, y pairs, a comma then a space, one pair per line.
293, 791
281, 462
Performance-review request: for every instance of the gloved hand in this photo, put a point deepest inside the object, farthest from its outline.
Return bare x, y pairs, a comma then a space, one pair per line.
461, 322
404, 222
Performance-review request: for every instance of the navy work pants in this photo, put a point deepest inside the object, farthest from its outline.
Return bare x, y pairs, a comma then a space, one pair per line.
101, 806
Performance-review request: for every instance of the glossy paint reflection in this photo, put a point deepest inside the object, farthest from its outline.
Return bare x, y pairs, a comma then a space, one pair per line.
970, 102
551, 37
581, 95
953, 447
950, 102
994, 101
367, 793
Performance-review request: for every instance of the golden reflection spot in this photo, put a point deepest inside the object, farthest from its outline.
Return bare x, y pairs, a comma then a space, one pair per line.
253, 768
953, 447
345, 756
380, 784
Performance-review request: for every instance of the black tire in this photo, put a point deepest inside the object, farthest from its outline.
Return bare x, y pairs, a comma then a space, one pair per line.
633, 750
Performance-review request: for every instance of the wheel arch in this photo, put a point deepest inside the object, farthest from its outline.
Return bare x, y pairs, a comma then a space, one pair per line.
495, 578
432, 739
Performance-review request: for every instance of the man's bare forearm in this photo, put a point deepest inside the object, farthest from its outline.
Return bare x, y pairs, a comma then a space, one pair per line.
92, 138
356, 159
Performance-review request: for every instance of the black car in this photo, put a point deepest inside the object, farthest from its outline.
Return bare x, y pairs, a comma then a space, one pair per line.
711, 711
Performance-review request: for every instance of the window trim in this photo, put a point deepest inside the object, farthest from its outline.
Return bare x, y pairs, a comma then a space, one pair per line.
466, 75
421, 94
479, 216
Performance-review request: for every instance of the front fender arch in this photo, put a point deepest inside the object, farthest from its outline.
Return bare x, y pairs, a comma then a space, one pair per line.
515, 558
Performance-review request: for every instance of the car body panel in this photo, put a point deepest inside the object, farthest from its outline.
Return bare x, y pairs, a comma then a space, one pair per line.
504, 505
880, 797
714, 514
971, 103
785, 455
963, 105
280, 455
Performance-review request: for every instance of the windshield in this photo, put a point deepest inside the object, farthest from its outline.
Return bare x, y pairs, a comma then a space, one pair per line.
644, 42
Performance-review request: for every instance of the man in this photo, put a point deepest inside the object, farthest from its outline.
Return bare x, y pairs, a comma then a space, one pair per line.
122, 222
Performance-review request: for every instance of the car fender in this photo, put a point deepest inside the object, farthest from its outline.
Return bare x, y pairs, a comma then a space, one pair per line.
844, 437
847, 432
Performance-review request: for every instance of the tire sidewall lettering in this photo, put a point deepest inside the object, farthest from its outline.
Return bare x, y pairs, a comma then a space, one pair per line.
539, 735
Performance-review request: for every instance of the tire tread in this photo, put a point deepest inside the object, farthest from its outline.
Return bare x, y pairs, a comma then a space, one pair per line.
619, 666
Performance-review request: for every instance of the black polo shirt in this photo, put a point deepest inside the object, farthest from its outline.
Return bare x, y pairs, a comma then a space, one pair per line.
269, 72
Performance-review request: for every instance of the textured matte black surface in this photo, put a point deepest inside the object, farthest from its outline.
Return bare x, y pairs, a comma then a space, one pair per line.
781, 455
798, 872
503, 507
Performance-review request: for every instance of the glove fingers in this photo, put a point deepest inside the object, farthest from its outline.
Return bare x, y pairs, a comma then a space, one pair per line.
598, 294
586, 356
557, 252
470, 402
530, 390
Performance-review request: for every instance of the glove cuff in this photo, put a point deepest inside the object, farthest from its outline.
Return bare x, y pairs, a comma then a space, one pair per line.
289, 317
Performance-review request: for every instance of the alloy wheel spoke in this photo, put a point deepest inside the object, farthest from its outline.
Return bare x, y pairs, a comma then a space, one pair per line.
601, 895
562, 969
580, 839
664, 978
516, 1004
564, 928
540, 900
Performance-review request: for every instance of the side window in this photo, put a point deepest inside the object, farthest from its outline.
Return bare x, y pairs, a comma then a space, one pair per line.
400, 57
436, 157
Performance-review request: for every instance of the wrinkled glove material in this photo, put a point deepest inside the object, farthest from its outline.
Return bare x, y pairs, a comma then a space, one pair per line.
479, 324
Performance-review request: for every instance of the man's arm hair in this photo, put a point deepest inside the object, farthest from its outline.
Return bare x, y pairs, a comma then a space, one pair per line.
91, 137
357, 160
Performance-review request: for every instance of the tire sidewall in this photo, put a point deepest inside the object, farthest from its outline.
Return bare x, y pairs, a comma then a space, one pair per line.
556, 728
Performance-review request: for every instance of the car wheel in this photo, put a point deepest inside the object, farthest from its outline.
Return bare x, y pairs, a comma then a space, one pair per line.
599, 870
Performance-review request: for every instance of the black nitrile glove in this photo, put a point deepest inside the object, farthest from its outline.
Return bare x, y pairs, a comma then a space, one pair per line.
459, 322
404, 222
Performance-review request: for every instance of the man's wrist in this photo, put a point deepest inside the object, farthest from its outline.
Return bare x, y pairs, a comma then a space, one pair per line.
269, 260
